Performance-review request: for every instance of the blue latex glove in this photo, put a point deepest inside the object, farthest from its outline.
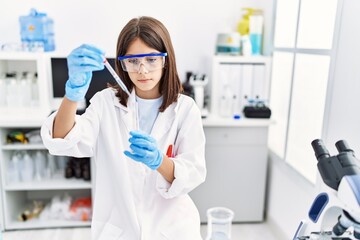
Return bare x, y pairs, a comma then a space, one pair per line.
81, 62
144, 149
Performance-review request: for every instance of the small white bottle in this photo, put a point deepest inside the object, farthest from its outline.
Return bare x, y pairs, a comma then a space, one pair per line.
236, 107
40, 166
13, 174
3, 87
12, 91
34, 89
27, 170
246, 45
24, 90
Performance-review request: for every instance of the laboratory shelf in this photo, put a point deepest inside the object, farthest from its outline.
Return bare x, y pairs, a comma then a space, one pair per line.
22, 117
51, 184
240, 59
35, 223
20, 146
217, 121
28, 116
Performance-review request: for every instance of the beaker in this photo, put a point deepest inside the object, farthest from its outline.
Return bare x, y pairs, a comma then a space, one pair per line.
219, 223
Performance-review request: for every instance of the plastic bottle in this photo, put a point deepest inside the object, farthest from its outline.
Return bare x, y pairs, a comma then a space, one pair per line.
27, 168
3, 87
243, 25
34, 89
236, 107
256, 23
12, 91
24, 90
246, 46
40, 165
13, 174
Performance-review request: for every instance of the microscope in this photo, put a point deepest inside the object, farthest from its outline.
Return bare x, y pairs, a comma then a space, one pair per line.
199, 82
335, 213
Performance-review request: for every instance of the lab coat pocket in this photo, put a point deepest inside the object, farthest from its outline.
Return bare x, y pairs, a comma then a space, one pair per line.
110, 232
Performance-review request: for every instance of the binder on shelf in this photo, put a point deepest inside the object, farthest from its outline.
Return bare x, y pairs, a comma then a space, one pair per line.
259, 82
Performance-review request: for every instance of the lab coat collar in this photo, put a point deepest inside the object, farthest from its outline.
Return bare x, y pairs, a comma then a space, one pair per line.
127, 117
164, 121
131, 99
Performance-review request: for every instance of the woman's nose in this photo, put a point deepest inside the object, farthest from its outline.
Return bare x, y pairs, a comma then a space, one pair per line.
142, 68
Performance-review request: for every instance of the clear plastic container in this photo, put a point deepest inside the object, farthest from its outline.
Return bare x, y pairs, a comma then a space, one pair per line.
219, 223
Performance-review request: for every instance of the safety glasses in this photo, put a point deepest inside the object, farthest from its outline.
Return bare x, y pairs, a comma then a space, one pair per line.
151, 61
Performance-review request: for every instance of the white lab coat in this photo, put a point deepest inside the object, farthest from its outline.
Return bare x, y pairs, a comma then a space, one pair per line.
133, 202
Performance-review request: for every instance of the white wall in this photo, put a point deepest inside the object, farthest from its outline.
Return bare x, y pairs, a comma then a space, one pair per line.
193, 24
344, 113
290, 195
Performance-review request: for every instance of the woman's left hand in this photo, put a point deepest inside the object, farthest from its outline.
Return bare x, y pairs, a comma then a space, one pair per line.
144, 149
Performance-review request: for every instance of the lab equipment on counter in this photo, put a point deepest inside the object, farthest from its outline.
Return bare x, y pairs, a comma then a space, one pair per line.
199, 82
228, 43
188, 89
257, 109
219, 223
335, 213
37, 32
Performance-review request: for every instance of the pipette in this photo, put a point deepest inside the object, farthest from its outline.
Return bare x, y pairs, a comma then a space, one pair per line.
123, 87
116, 77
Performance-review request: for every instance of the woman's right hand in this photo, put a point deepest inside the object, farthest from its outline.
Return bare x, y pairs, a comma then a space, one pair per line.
81, 62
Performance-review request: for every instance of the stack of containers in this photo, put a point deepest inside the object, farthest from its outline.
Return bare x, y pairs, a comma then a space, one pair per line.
250, 28
37, 32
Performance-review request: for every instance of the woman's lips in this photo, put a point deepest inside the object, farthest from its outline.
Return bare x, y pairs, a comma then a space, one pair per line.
143, 80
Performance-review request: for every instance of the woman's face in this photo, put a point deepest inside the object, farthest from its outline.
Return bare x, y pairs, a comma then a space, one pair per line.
146, 82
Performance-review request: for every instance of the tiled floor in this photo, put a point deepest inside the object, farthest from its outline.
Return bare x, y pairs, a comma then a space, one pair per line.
258, 231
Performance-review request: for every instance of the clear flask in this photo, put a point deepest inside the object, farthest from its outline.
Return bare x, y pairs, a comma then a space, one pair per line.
219, 223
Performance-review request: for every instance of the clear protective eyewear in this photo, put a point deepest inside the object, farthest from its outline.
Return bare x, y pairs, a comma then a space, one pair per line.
151, 61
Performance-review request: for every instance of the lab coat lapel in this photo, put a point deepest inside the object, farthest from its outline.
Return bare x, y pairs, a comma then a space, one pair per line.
127, 113
164, 121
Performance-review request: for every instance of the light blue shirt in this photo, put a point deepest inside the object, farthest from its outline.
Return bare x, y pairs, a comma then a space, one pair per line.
148, 111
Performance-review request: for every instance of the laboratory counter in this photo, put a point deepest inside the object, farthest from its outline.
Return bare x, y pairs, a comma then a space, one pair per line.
236, 159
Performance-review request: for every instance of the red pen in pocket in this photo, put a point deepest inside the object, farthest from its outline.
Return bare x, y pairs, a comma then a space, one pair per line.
169, 151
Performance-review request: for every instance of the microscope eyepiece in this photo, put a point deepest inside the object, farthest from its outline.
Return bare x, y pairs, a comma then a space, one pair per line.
342, 146
320, 149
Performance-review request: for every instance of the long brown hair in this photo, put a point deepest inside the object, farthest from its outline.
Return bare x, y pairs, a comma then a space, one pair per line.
154, 34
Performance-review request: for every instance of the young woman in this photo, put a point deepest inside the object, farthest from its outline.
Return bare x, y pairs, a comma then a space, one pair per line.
141, 185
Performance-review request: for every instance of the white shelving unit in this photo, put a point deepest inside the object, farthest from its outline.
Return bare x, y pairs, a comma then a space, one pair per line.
20, 195
238, 78
16, 197
26, 62
236, 149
